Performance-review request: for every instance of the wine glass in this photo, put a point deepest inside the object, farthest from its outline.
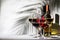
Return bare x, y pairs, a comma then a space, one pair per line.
35, 20
49, 23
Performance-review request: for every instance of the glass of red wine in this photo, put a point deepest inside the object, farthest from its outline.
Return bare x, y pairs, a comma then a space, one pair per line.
35, 21
49, 22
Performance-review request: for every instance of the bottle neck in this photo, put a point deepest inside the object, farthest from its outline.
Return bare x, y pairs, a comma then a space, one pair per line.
47, 8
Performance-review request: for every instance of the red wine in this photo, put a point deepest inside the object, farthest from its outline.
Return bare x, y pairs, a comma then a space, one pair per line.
50, 20
35, 24
38, 22
32, 20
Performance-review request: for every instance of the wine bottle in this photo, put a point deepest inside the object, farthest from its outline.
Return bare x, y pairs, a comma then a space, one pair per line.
47, 29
